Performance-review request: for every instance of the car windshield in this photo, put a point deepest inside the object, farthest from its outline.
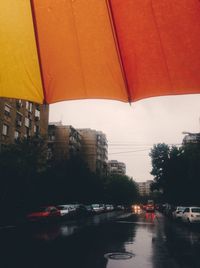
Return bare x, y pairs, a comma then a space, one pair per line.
196, 210
180, 208
62, 207
95, 206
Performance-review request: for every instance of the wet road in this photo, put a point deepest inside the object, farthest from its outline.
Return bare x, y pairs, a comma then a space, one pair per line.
104, 241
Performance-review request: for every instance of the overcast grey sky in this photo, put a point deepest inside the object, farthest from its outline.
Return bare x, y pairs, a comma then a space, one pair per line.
132, 130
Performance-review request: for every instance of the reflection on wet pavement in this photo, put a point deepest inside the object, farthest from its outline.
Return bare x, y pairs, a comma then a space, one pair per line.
141, 241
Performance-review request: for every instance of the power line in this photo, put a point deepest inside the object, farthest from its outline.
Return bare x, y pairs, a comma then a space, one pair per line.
130, 151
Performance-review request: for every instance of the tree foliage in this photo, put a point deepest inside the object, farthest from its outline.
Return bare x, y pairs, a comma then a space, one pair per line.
120, 190
28, 181
176, 171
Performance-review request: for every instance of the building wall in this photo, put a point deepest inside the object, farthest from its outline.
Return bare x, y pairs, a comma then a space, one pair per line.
95, 150
19, 118
115, 167
144, 187
191, 138
64, 142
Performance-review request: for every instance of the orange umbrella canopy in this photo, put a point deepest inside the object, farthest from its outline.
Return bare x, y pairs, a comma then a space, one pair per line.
123, 50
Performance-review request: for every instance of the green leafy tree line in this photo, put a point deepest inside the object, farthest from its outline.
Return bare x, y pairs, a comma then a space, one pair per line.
27, 181
176, 172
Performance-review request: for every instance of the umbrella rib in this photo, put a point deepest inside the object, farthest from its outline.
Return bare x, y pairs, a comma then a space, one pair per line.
116, 41
38, 48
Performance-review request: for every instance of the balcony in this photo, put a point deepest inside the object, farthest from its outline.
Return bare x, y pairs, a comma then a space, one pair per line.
19, 104
18, 123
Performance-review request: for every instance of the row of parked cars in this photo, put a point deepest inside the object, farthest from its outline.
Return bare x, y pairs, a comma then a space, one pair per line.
188, 214
69, 211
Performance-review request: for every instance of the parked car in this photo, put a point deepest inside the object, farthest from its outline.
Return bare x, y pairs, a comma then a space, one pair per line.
80, 210
120, 207
44, 213
178, 213
191, 215
97, 208
109, 207
89, 209
64, 210
72, 208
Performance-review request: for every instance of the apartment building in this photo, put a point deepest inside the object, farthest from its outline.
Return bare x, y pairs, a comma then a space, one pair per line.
191, 138
95, 150
64, 142
144, 188
20, 118
115, 167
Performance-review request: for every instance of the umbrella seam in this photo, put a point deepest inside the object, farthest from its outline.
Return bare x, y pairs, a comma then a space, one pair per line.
116, 41
38, 49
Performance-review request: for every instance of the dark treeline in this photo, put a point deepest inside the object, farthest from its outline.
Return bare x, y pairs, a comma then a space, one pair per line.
28, 181
176, 172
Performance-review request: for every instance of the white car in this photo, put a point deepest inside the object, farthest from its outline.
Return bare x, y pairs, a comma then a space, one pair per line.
97, 208
64, 210
109, 207
178, 213
191, 215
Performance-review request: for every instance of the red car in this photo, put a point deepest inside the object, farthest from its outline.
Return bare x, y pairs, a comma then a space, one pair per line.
150, 207
44, 213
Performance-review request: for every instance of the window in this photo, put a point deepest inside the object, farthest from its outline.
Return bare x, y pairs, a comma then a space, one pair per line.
19, 103
18, 119
7, 110
30, 107
36, 129
37, 114
195, 210
5, 130
27, 133
16, 135
52, 137
27, 122
27, 105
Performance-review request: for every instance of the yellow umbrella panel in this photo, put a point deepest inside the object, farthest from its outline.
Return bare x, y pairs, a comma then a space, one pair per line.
19, 66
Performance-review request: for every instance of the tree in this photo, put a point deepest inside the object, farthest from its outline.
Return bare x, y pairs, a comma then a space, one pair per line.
20, 165
159, 159
120, 189
177, 172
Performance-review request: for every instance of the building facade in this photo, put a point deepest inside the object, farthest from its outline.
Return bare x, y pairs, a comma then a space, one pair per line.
191, 138
64, 142
144, 188
115, 167
95, 150
19, 119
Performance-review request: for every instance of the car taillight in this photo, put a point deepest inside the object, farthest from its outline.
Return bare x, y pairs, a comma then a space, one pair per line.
45, 214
